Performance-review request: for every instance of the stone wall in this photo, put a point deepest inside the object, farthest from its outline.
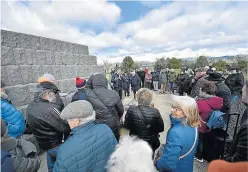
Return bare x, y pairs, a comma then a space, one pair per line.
24, 58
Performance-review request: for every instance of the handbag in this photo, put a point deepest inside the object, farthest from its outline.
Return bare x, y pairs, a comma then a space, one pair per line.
160, 150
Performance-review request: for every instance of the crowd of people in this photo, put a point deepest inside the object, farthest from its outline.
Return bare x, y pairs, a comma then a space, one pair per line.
85, 134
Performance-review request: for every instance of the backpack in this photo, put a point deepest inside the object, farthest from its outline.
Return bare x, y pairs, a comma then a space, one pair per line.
216, 119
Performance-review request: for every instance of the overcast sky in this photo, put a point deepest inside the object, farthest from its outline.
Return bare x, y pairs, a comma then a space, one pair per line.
143, 30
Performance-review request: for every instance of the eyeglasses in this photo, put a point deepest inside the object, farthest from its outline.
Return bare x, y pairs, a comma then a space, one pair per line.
175, 108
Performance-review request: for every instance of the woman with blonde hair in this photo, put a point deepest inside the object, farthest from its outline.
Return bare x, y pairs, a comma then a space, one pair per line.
182, 137
143, 120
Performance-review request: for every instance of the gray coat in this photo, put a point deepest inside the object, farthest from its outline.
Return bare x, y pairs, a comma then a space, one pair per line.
23, 154
197, 85
163, 78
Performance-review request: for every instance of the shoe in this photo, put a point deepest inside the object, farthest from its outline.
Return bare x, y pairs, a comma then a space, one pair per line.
199, 160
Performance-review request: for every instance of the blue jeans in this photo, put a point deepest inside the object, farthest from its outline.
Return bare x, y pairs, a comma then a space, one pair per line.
171, 86
51, 158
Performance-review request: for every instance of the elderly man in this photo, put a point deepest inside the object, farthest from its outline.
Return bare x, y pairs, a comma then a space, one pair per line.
91, 144
45, 123
50, 78
198, 81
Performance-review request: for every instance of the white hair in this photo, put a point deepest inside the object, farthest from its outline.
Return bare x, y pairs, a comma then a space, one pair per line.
206, 67
131, 155
214, 69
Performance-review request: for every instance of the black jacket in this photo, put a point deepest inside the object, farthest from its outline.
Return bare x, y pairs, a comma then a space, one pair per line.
239, 147
235, 83
146, 123
155, 76
79, 95
106, 103
135, 82
45, 123
224, 92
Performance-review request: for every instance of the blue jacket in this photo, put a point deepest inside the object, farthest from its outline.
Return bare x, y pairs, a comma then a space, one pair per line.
13, 117
88, 149
6, 162
179, 141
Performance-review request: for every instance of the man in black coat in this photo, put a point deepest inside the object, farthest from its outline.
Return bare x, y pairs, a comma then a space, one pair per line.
44, 120
126, 84
135, 82
106, 103
239, 147
235, 81
222, 90
117, 83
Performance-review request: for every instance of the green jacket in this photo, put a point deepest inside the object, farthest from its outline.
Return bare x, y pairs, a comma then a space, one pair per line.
172, 77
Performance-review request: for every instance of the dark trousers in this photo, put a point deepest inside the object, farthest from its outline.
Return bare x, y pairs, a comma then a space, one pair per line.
199, 151
51, 158
126, 93
134, 93
119, 91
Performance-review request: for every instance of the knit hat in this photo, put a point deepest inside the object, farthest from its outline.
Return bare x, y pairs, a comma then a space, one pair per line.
80, 82
3, 128
47, 78
78, 109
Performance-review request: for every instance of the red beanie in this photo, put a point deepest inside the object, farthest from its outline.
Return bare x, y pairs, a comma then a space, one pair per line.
80, 82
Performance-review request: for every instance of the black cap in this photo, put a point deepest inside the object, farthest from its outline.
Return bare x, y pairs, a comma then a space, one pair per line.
48, 85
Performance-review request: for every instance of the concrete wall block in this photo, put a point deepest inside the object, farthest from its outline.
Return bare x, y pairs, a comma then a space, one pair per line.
59, 45
41, 57
20, 56
4, 75
19, 95
50, 57
64, 72
56, 71
91, 60
35, 73
28, 41
71, 48
65, 46
82, 49
13, 75
44, 43
52, 44
58, 58
47, 69
27, 74
7, 56
32, 88
67, 58
9, 39
30, 56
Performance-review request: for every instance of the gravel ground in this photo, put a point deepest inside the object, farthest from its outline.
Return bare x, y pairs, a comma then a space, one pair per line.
160, 103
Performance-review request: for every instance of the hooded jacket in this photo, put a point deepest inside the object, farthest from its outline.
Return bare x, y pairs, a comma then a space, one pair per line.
22, 154
45, 123
106, 103
126, 82
88, 149
14, 118
206, 104
180, 140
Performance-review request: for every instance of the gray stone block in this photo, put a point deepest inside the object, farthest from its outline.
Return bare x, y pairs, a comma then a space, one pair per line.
46, 69
67, 58
56, 71
9, 38
19, 95
41, 57
50, 57
59, 45
44, 43
65, 46
7, 56
71, 48
26, 74
64, 72
36, 73
20, 56
13, 76
91, 60
28, 41
58, 58
4, 75
52, 44
30, 56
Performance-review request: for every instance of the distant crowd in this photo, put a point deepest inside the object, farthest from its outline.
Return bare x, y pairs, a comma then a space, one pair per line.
85, 135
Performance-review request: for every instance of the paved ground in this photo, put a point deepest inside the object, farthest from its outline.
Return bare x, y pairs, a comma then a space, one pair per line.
160, 103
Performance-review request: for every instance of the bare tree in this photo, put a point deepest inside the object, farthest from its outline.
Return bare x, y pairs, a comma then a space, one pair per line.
107, 66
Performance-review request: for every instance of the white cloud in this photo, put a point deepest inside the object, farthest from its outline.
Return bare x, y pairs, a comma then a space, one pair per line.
181, 29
